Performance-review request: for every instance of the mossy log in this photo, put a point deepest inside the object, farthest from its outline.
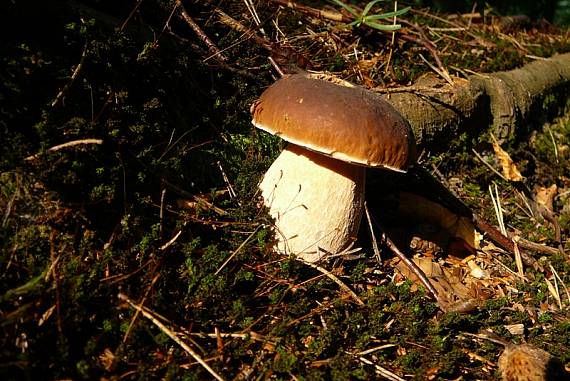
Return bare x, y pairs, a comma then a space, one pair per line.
507, 102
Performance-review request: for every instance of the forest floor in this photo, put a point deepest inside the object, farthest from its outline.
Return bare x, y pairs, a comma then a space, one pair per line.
134, 244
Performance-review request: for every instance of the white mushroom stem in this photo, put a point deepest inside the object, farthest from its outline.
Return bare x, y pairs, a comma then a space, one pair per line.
316, 202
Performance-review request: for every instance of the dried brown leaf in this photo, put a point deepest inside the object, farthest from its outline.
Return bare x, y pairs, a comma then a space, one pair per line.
510, 170
545, 196
448, 283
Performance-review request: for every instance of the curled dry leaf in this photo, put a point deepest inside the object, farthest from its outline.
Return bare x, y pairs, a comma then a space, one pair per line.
508, 167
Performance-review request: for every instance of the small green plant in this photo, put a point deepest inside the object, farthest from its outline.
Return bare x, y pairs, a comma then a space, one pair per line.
372, 20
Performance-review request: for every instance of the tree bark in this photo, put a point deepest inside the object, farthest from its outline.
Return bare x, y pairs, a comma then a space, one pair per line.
507, 102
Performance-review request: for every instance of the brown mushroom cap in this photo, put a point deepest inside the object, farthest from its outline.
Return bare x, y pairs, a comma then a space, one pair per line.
348, 123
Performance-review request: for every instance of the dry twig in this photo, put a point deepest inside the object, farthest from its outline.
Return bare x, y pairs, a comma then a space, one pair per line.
335, 279
66, 88
172, 335
214, 50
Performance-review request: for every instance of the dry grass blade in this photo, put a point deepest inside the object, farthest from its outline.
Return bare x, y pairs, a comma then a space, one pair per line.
488, 165
518, 260
237, 250
381, 371
67, 145
556, 276
553, 289
140, 308
498, 209
172, 335
440, 71
373, 236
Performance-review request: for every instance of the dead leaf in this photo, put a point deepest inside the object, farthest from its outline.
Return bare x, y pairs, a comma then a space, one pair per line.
509, 168
545, 196
447, 283
476, 271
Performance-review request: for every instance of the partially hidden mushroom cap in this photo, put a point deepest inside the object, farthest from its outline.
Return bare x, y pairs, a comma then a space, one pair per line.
346, 122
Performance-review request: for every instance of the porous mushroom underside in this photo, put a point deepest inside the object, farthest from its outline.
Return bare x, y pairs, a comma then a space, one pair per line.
316, 202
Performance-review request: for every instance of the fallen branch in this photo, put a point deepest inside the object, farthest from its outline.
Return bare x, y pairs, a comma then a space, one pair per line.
501, 101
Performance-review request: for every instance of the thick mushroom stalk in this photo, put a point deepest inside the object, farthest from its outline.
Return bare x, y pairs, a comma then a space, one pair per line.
316, 202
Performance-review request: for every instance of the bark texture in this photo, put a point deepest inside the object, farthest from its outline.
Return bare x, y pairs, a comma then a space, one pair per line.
502, 101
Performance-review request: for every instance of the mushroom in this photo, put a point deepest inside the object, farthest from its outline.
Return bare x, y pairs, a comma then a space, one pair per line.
315, 188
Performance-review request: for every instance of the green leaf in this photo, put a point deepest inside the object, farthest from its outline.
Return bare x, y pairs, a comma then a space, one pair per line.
383, 26
368, 7
388, 14
351, 10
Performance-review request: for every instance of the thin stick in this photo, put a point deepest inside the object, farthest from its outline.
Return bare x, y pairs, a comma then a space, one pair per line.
276, 66
381, 370
412, 266
211, 46
415, 269
387, 69
441, 70
172, 335
65, 89
66, 145
161, 216
136, 7
378, 348
334, 278
539, 248
140, 308
411, 89
244, 336
239, 27
554, 144
498, 209
238, 249
489, 165
56, 281
171, 241
504, 242
231, 190
373, 236
256, 19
